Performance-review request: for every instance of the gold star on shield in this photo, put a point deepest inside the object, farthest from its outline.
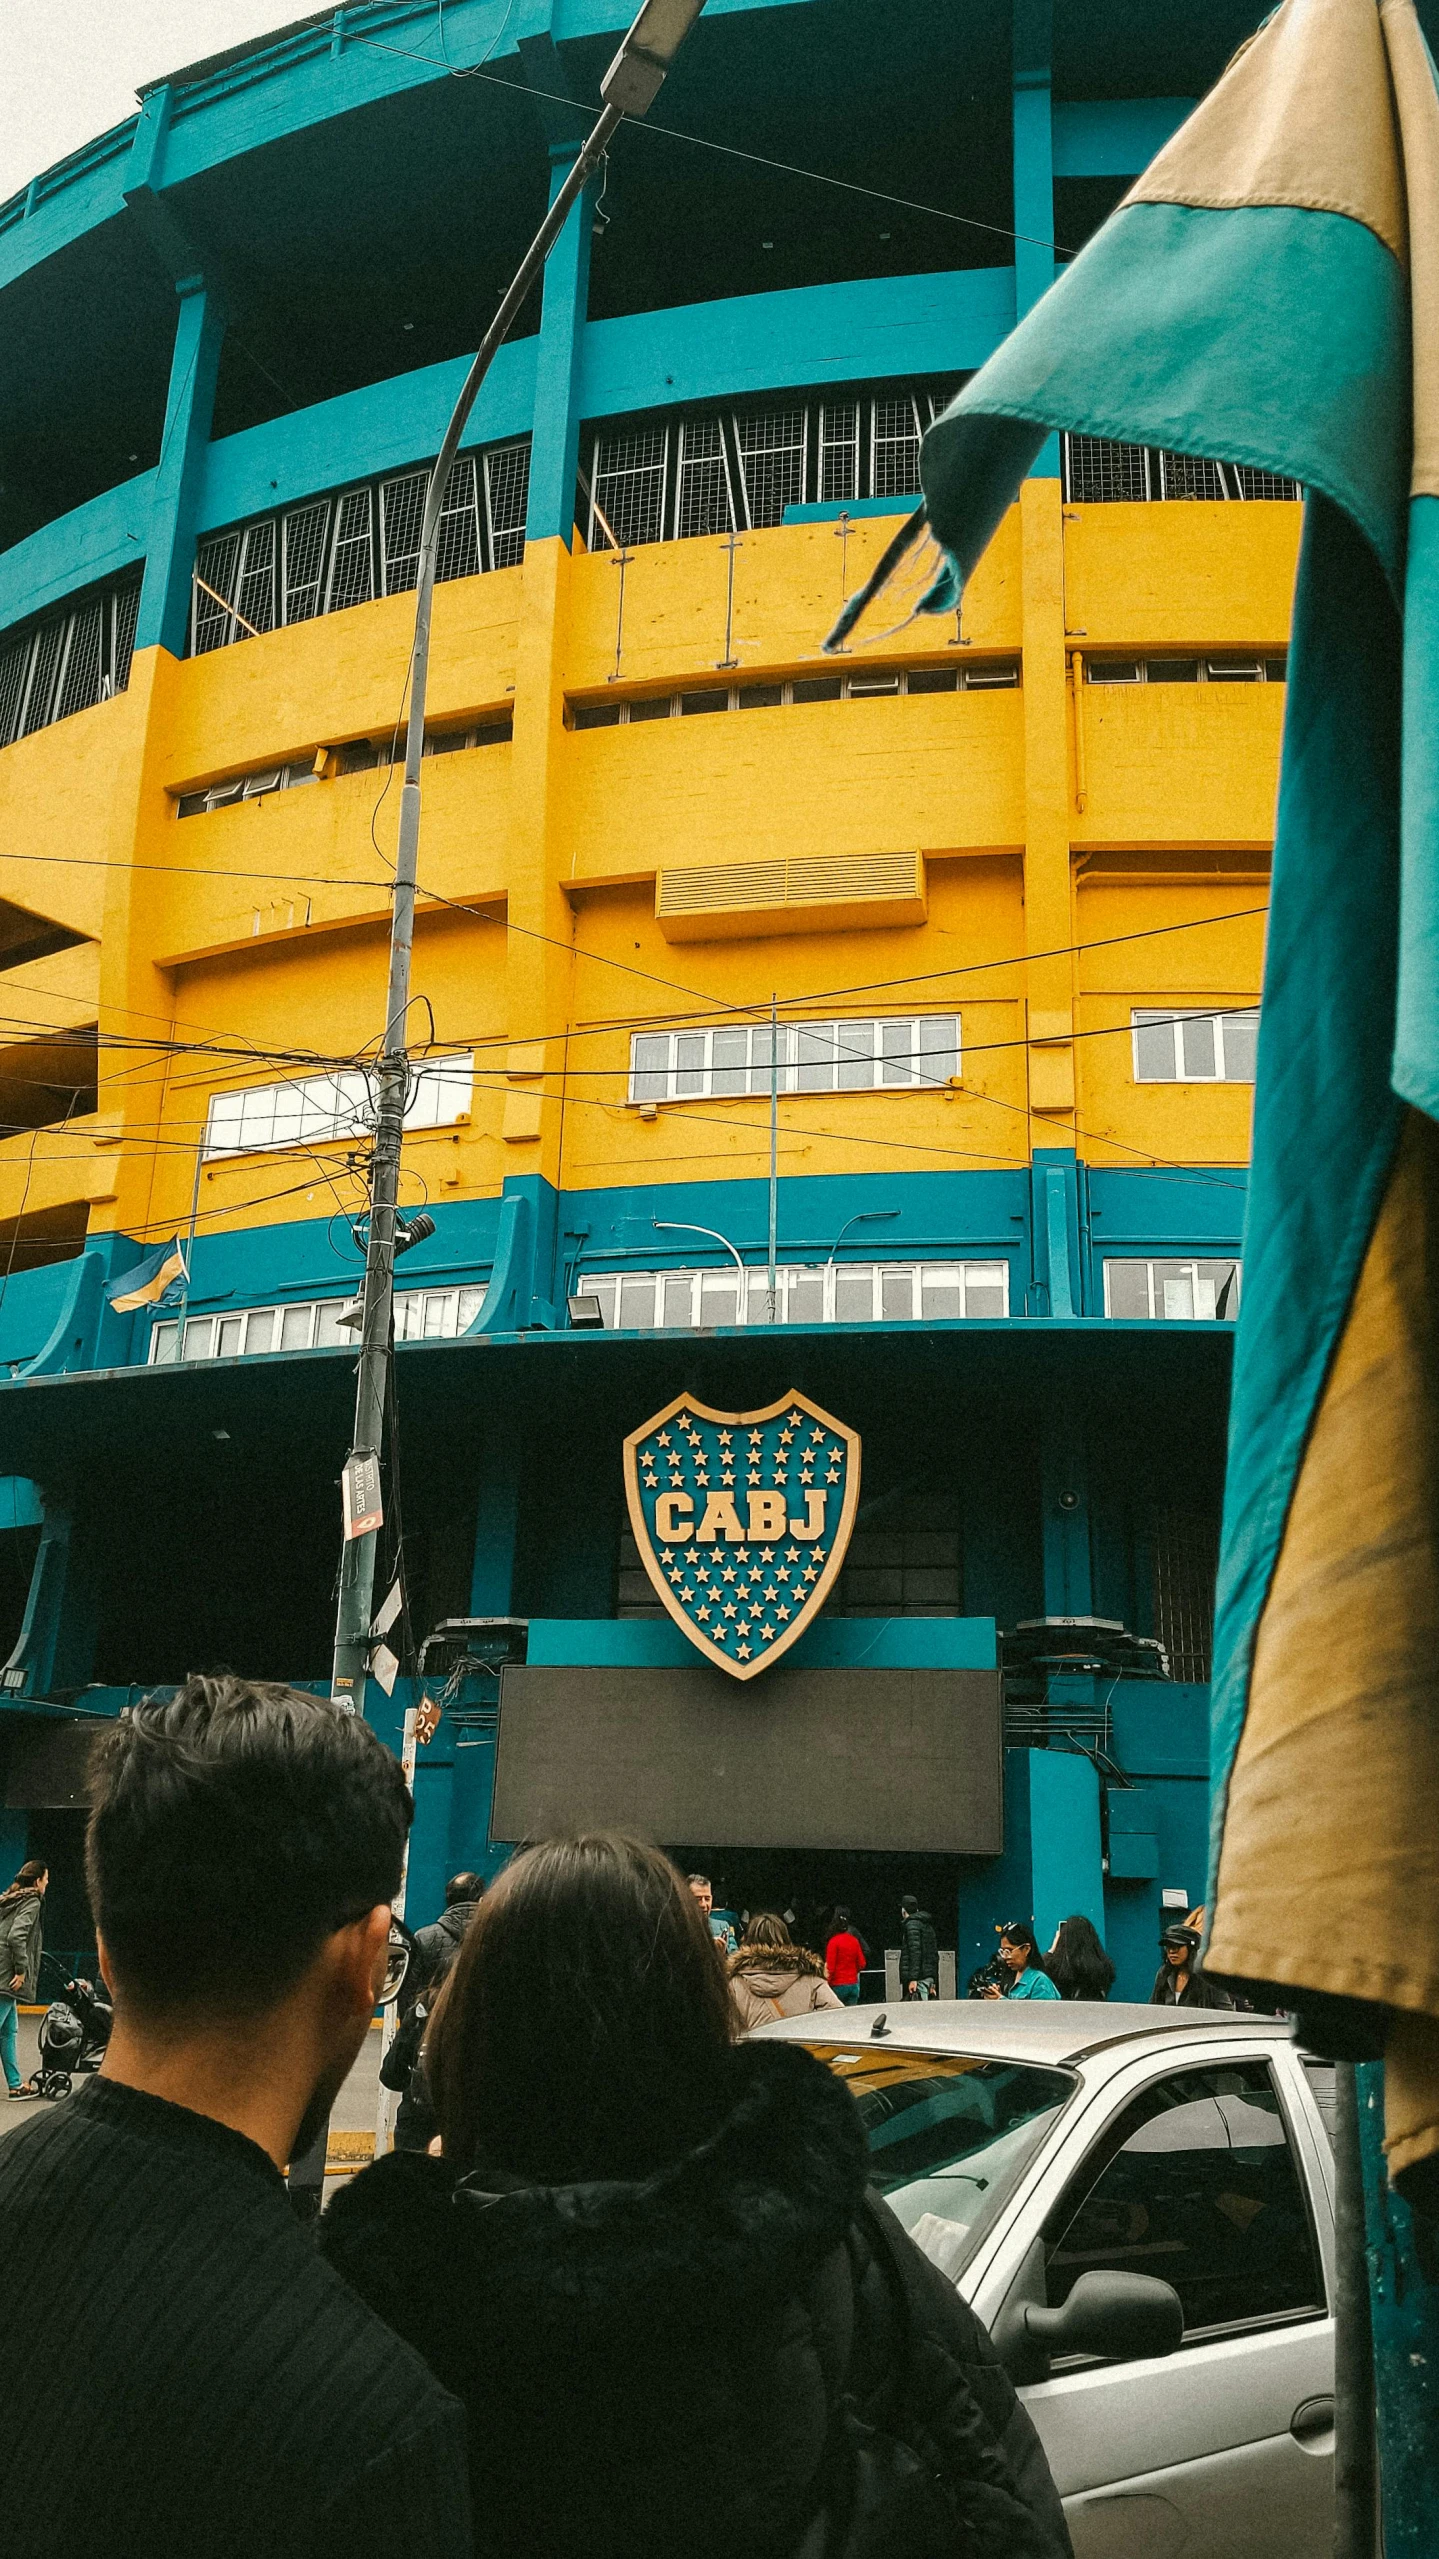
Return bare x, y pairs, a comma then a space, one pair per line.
745, 1652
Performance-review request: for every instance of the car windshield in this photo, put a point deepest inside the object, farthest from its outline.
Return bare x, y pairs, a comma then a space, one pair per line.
949, 2135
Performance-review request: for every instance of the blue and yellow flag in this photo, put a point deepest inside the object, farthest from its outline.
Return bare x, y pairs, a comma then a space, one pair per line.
150, 1282
1268, 293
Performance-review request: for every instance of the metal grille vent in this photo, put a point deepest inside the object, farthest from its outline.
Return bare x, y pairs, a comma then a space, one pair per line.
893, 882
1186, 1563
459, 552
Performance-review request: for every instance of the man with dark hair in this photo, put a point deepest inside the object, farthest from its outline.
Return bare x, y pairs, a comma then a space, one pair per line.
438, 1945
918, 1952
184, 2344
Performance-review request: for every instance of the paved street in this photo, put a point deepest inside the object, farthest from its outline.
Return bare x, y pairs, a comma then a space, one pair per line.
351, 2126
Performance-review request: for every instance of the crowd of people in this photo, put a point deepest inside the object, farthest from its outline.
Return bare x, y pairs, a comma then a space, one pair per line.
634, 2296
523, 2329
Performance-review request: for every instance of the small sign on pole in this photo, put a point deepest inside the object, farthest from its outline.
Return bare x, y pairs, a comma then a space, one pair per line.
360, 1493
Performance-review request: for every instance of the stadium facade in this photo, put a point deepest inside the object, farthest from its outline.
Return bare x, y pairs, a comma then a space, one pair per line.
972, 913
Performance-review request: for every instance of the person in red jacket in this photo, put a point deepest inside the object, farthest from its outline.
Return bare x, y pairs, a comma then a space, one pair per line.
844, 1960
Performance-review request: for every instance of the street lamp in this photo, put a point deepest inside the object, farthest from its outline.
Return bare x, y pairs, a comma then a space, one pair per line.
862, 1217
629, 87
676, 1226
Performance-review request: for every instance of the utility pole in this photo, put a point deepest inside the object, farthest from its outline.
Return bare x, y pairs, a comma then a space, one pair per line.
629, 88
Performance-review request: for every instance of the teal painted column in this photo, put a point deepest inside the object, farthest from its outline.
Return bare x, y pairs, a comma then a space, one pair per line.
1052, 1864
1403, 2258
174, 513
1034, 176
555, 444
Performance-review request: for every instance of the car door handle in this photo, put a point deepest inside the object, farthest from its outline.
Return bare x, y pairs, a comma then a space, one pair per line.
1312, 2418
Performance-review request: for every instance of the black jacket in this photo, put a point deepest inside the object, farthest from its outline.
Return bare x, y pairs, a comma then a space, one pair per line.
692, 2361
918, 1950
1194, 1991
439, 1944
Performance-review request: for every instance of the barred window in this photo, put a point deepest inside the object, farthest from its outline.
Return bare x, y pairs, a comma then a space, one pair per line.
896, 447
234, 587
1099, 473
256, 601
703, 501
1185, 475
458, 554
68, 663
628, 487
839, 450
772, 463
507, 499
402, 508
305, 534
1196, 1048
333, 552
352, 569
814, 1057
81, 661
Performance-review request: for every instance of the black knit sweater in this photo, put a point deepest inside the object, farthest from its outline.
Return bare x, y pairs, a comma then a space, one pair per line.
183, 2372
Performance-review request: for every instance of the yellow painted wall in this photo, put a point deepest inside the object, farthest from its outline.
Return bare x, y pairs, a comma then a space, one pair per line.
262, 926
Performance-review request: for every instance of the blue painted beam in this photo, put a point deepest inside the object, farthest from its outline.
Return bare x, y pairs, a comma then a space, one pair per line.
179, 475
876, 327
384, 427
554, 448
94, 541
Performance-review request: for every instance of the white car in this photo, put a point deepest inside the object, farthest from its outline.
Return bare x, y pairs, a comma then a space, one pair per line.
1139, 2203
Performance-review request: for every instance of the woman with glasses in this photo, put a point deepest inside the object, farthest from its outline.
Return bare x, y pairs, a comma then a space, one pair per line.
631, 2213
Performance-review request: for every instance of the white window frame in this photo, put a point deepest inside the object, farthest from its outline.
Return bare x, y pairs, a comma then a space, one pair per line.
316, 1109
897, 1292
1236, 1027
730, 1061
1200, 1276
258, 1332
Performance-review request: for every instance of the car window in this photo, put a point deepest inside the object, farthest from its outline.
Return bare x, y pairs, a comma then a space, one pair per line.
949, 2135
1320, 2075
1195, 2182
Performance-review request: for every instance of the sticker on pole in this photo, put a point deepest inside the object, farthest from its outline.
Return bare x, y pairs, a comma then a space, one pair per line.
742, 1521
360, 1493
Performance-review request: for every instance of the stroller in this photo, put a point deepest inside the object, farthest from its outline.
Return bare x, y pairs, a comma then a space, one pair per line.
74, 2032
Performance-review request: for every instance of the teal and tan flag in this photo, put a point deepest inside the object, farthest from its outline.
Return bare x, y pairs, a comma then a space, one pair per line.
150, 1282
1268, 293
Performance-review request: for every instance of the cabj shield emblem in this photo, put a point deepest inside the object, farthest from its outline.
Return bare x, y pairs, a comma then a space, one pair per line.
742, 1520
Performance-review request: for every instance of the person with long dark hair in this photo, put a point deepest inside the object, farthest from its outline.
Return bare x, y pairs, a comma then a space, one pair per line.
1022, 1969
648, 2264
1077, 1963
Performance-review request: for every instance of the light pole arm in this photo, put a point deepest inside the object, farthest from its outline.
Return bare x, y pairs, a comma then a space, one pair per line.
673, 1226
357, 1559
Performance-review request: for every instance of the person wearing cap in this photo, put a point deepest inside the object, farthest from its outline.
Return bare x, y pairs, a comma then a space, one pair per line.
1020, 1956
1180, 1981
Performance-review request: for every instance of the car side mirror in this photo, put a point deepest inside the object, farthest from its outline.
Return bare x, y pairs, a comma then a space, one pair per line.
1124, 2318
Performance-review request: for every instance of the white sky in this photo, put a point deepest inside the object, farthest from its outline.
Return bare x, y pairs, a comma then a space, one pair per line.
69, 69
